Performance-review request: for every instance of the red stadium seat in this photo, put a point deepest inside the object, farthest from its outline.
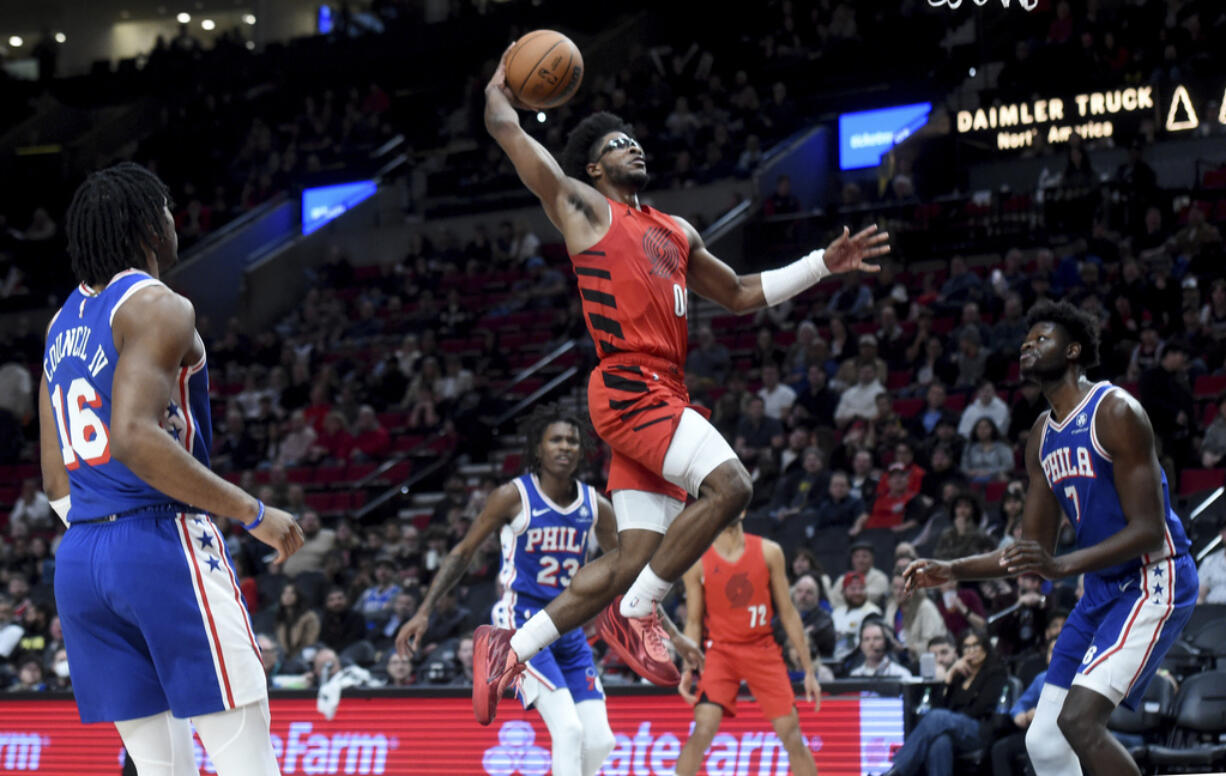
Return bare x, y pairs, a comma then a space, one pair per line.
1209, 386
356, 471
956, 402
512, 464
329, 475
908, 408
899, 380
1197, 480
1210, 413
994, 491
301, 474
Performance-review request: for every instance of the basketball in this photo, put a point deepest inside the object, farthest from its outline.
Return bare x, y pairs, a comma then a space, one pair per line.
544, 69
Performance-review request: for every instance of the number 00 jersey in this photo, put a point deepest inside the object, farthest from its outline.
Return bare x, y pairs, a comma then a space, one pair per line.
632, 284
544, 545
1082, 477
79, 364
737, 603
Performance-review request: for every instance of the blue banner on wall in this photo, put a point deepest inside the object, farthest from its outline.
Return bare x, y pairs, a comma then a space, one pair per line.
864, 137
324, 203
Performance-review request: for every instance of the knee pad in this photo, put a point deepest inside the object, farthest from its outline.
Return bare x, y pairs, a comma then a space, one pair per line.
696, 450
1049, 751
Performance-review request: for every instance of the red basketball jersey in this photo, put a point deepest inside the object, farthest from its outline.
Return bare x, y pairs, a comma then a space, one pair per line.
632, 284
738, 607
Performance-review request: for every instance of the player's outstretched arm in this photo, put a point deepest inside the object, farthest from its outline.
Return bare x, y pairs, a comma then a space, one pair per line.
781, 594
502, 505
1040, 524
574, 207
1124, 430
712, 279
695, 608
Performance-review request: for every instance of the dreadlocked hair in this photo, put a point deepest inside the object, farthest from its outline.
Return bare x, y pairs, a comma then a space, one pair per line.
115, 216
582, 140
1078, 325
539, 421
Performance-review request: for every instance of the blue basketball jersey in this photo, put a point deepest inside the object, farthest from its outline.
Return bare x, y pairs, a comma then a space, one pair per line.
1082, 476
545, 544
79, 364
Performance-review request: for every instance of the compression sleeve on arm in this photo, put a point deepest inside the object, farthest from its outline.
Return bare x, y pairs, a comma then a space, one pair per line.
780, 285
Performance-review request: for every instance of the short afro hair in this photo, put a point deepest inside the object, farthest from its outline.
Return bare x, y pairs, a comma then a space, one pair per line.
1078, 326
582, 140
535, 426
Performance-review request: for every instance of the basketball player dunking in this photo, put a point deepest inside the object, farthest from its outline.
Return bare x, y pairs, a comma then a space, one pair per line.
154, 623
1092, 458
731, 597
634, 265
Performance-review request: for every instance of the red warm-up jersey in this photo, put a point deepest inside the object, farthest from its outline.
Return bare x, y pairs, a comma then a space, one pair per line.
632, 284
737, 603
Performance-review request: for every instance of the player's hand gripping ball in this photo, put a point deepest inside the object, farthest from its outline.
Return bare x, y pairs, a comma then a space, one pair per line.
543, 69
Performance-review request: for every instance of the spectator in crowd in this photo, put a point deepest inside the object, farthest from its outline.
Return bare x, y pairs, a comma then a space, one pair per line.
1026, 409
898, 509
859, 402
782, 201
853, 301
961, 286
297, 443
11, 631
986, 405
944, 654
849, 615
375, 603
1212, 573
32, 508
840, 509
876, 583
29, 676
399, 670
964, 536
972, 687
815, 403
757, 433
915, 619
801, 492
777, 398
710, 362
403, 608
866, 355
270, 657
446, 622
875, 647
970, 360
934, 411
817, 622
463, 662
1168, 400
341, 626
371, 441
986, 458
319, 542
961, 608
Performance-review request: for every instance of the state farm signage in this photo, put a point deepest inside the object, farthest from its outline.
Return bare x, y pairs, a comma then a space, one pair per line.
421, 736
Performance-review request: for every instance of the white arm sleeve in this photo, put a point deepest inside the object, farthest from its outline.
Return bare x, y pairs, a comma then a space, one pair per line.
780, 285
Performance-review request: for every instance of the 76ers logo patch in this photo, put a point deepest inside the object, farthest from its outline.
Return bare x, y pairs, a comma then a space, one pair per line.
739, 590
662, 252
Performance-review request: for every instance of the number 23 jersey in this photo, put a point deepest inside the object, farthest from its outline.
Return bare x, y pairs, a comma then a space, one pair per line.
545, 544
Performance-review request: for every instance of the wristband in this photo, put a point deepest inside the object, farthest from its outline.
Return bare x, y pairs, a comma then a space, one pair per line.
780, 285
61, 506
259, 518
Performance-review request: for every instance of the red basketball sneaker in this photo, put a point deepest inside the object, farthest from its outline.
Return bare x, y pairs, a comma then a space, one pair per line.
639, 642
495, 667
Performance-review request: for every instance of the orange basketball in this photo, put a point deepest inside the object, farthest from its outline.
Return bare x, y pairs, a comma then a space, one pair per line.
544, 69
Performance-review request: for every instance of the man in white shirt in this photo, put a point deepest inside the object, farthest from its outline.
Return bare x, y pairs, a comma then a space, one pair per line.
847, 618
986, 405
777, 397
1212, 573
860, 400
877, 663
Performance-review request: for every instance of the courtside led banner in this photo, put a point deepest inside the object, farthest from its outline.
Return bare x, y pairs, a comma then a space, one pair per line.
850, 736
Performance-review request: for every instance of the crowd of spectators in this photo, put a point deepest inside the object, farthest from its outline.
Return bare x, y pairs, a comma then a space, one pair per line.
882, 418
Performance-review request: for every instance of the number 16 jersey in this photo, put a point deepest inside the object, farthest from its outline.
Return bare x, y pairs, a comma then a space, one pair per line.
79, 363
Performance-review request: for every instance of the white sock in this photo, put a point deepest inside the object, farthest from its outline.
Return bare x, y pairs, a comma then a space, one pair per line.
640, 600
538, 632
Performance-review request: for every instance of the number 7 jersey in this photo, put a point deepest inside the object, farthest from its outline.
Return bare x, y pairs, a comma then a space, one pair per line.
79, 363
544, 545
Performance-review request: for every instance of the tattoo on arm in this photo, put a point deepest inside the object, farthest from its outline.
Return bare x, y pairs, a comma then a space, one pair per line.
450, 571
